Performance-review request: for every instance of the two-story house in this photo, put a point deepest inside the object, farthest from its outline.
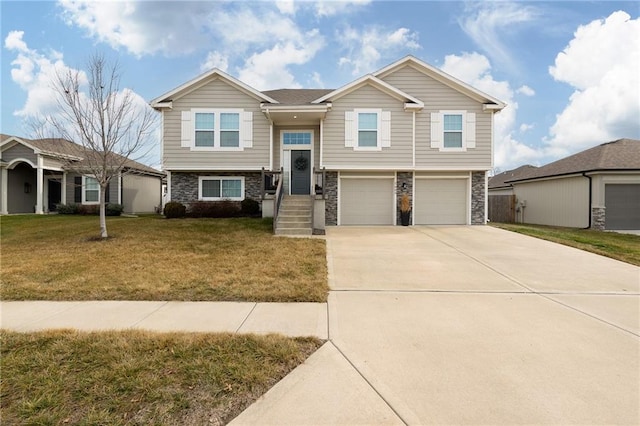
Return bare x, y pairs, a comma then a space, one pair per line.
408, 128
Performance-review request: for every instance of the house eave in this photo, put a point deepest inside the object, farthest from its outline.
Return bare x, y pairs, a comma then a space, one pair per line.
572, 174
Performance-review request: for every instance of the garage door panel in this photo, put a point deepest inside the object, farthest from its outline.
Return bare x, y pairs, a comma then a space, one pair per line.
441, 202
622, 202
366, 201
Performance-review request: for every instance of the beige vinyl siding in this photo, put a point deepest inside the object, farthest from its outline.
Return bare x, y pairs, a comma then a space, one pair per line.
556, 202
277, 143
215, 94
141, 194
436, 97
399, 155
19, 151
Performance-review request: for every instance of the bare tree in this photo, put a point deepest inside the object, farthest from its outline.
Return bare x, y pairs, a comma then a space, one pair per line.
107, 122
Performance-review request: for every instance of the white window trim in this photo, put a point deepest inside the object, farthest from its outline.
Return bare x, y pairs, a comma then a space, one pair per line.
84, 191
462, 113
221, 178
216, 129
356, 146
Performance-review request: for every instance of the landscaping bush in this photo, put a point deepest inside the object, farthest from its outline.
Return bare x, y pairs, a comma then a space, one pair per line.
71, 208
214, 209
88, 209
173, 210
113, 209
250, 207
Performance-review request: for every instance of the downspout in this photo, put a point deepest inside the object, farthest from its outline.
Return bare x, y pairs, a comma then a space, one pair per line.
590, 198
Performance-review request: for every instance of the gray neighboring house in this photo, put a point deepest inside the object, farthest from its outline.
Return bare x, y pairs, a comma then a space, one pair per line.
498, 183
597, 188
34, 178
353, 151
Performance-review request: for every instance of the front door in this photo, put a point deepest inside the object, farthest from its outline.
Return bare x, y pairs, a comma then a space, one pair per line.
300, 172
55, 194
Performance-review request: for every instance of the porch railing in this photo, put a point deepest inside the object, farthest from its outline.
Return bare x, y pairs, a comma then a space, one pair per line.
270, 180
279, 193
319, 180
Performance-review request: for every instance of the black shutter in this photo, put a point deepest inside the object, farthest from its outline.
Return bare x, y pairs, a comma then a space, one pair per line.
77, 189
106, 195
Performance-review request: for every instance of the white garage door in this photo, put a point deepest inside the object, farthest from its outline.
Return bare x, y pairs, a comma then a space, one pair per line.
366, 201
441, 202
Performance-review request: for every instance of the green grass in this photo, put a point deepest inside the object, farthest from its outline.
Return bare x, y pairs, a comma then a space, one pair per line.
56, 257
617, 246
133, 377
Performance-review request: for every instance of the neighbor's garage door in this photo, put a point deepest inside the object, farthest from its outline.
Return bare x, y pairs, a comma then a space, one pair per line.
365, 201
441, 202
622, 202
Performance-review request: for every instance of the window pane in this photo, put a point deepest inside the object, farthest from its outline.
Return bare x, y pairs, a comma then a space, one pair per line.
453, 139
91, 195
453, 122
367, 121
91, 184
205, 121
296, 138
229, 121
367, 138
229, 139
204, 138
231, 188
211, 188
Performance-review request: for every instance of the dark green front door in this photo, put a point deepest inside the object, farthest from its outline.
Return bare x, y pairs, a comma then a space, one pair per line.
300, 172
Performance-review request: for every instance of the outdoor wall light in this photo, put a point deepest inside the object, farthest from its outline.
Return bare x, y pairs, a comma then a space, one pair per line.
404, 186
27, 187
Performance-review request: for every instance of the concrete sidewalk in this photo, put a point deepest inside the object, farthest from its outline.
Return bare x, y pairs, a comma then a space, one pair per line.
289, 319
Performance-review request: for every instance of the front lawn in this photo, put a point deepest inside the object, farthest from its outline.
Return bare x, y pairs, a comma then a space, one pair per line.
622, 247
134, 377
56, 257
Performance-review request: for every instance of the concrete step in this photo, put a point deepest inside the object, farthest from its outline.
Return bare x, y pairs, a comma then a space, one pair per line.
294, 231
294, 219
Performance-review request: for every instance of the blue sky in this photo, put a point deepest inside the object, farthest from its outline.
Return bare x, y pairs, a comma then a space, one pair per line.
570, 71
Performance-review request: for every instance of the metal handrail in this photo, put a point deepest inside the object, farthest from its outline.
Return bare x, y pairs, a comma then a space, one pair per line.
277, 200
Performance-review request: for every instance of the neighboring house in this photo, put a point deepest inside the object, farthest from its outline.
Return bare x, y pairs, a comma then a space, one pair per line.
597, 188
35, 178
407, 128
502, 201
498, 183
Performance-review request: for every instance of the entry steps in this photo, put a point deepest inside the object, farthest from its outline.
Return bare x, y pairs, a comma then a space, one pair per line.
295, 215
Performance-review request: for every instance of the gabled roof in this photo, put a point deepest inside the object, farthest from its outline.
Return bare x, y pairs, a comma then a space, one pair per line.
62, 148
296, 96
373, 81
499, 180
622, 154
442, 77
202, 79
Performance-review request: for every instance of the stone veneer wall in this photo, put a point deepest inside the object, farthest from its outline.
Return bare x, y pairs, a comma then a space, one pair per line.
331, 198
184, 186
478, 198
598, 218
403, 177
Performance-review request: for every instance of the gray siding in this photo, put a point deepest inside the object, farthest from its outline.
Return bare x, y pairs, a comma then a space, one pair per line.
19, 151
114, 189
17, 200
399, 155
437, 96
141, 194
215, 94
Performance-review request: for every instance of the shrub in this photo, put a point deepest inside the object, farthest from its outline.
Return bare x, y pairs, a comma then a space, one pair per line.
174, 209
71, 208
249, 207
88, 209
113, 209
214, 209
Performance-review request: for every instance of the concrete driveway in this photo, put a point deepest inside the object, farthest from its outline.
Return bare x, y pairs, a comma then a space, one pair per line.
467, 325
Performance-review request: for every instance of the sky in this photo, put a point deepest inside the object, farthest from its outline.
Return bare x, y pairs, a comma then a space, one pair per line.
568, 70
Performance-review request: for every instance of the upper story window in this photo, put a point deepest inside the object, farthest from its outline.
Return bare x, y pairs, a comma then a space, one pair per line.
217, 129
367, 129
453, 130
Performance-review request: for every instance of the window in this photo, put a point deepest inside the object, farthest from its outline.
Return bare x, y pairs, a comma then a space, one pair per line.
215, 188
217, 129
91, 191
367, 129
205, 129
296, 138
229, 130
452, 131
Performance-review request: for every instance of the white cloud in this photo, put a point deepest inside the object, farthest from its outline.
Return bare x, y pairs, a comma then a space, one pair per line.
327, 8
316, 80
488, 22
602, 63
524, 127
215, 59
366, 48
14, 41
286, 7
475, 70
526, 90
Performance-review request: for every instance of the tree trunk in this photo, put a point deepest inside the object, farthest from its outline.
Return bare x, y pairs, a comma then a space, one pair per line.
103, 213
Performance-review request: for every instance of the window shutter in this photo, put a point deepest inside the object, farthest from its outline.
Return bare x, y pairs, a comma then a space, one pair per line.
77, 189
106, 194
470, 130
247, 129
187, 130
436, 130
349, 129
385, 129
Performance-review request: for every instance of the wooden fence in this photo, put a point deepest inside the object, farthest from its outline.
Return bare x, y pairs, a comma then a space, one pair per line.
502, 208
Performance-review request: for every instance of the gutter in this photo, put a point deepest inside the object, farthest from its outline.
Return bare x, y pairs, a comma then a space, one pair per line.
590, 198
